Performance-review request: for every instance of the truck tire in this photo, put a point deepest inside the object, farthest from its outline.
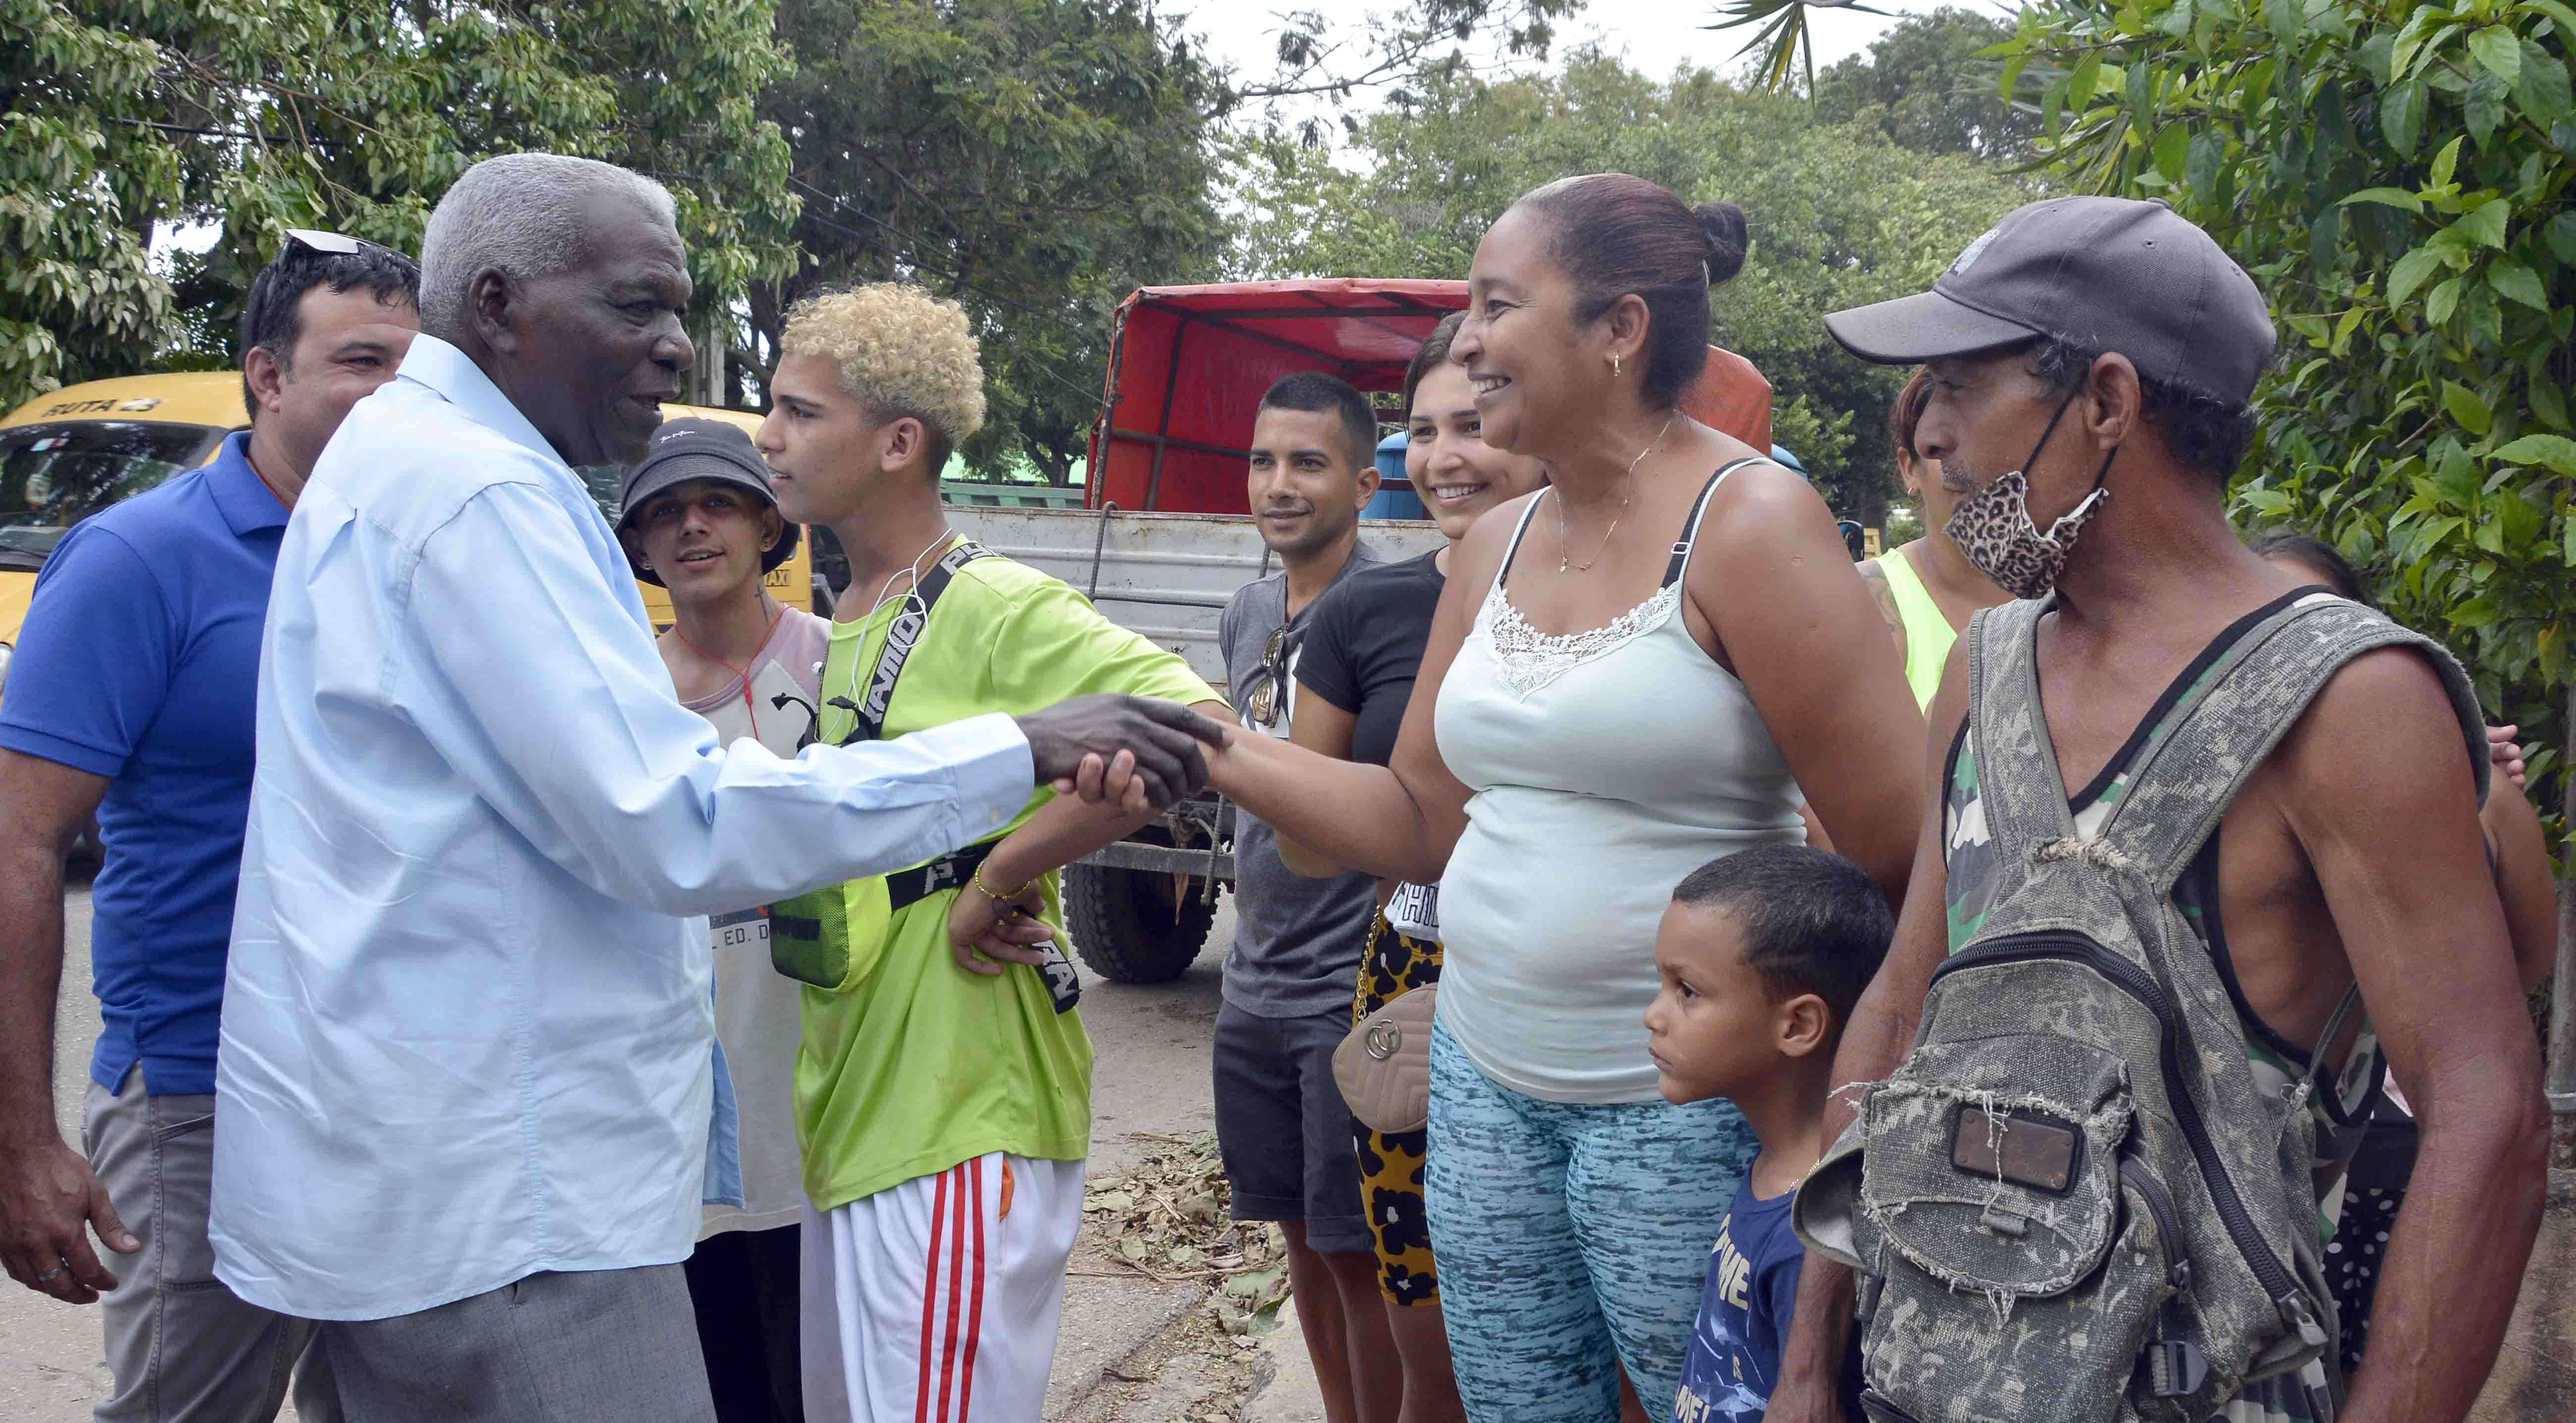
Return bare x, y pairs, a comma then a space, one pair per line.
1126, 927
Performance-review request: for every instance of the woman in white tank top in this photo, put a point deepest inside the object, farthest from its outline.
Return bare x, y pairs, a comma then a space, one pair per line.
1641, 669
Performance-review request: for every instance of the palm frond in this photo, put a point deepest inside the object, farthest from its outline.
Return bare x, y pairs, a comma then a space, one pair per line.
1785, 42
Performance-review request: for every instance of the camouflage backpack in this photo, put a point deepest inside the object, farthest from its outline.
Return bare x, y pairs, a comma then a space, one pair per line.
2073, 1201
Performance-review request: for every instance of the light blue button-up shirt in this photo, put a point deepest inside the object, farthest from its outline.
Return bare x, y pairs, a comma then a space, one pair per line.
467, 1032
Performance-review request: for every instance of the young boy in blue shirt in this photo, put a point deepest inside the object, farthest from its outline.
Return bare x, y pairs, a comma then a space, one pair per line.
1762, 954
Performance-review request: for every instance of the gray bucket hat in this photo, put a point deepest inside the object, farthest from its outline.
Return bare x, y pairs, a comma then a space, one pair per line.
693, 448
2105, 274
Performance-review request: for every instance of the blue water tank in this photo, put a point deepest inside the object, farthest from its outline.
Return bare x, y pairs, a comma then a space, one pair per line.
1395, 497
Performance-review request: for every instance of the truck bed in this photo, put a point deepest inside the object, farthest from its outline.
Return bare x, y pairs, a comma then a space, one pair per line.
1167, 576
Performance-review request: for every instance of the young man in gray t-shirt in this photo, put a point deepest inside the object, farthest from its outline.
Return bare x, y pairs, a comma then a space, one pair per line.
1291, 975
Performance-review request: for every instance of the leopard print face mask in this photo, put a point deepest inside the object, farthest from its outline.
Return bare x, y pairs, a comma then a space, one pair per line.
1994, 529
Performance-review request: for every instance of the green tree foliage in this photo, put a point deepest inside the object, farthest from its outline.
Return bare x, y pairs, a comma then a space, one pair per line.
257, 115
1034, 159
1037, 160
1392, 51
1839, 217
79, 185
1928, 85
2395, 176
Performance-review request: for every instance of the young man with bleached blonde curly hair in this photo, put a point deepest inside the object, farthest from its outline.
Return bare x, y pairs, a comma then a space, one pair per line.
943, 1095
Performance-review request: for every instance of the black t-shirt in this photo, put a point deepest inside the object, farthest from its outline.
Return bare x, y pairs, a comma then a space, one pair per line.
1363, 645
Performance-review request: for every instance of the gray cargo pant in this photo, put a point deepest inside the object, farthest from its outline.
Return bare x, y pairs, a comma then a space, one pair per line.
591, 1346
182, 1348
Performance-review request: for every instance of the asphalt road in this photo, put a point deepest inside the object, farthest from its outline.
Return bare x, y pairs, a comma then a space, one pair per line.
1150, 1074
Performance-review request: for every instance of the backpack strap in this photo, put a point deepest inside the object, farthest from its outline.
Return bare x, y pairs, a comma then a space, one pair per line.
902, 635
2222, 733
2018, 786
2225, 728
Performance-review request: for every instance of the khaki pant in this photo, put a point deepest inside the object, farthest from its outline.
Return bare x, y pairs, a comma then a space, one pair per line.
182, 1347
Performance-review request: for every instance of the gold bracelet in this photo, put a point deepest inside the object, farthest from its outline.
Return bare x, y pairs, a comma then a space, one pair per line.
994, 895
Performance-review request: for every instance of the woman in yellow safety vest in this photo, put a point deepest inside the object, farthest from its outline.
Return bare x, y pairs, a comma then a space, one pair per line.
1926, 589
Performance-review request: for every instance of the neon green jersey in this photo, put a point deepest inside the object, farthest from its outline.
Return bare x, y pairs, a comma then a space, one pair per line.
1928, 635
922, 1065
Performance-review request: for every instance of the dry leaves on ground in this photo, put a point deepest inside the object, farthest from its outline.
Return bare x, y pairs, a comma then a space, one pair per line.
1170, 1218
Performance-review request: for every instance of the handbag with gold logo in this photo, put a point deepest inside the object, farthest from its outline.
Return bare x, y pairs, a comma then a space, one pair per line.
1384, 1066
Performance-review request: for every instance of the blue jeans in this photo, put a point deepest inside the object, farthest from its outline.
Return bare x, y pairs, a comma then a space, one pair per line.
1572, 1238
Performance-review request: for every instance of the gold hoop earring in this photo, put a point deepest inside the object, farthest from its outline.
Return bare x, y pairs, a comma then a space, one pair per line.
1614, 365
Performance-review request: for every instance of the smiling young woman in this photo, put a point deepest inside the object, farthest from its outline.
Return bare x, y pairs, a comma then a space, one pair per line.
1651, 663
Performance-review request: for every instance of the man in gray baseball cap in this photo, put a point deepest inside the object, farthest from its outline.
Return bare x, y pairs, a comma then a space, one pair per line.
2107, 274
2049, 290
2091, 362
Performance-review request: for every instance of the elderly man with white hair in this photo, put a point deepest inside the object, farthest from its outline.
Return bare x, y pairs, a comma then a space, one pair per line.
466, 1062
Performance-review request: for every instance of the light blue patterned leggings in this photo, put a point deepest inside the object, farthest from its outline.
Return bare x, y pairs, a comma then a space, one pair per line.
1571, 1238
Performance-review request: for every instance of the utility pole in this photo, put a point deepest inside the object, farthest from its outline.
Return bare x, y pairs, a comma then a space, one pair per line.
707, 381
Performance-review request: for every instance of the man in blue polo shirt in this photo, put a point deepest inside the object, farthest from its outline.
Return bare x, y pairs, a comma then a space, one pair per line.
132, 699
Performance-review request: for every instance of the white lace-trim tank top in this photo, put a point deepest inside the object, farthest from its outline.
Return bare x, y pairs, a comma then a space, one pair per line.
1603, 767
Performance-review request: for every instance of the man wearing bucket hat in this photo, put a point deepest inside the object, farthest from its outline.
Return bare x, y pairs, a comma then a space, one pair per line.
697, 517
2091, 363
686, 454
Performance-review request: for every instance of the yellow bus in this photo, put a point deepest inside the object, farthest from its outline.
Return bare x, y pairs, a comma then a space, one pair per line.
67, 455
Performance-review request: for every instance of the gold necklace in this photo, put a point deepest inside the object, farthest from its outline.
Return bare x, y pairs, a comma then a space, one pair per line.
1563, 544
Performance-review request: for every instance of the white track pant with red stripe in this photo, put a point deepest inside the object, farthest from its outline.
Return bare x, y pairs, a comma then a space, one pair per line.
934, 1301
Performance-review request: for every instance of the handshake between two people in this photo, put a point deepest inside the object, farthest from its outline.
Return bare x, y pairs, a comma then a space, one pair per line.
1135, 752
1123, 756
1134, 757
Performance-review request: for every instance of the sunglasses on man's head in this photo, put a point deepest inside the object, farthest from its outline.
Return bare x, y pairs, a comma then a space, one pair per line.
331, 244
